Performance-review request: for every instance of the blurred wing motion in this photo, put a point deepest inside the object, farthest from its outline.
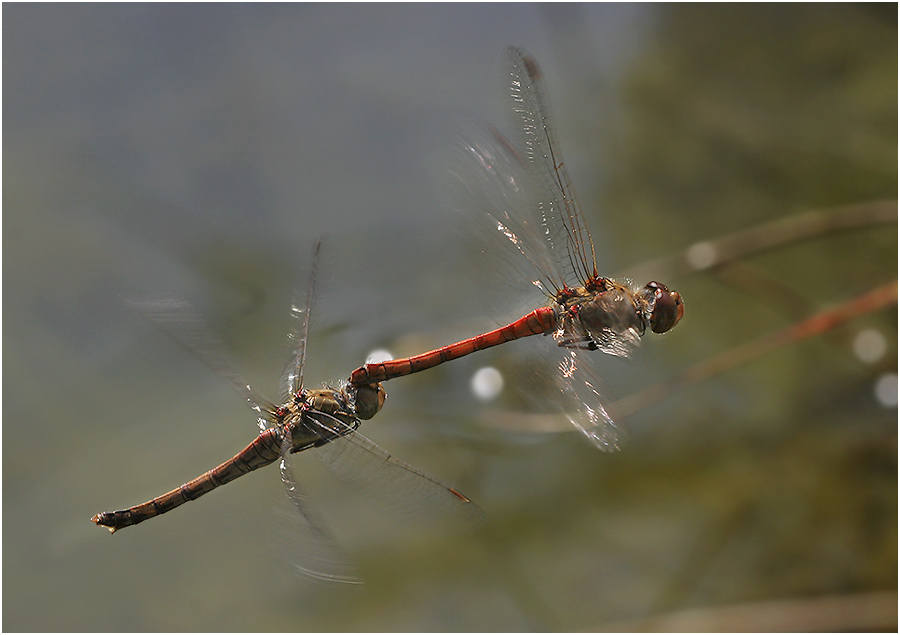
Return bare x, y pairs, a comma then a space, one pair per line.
178, 320
324, 420
412, 495
312, 546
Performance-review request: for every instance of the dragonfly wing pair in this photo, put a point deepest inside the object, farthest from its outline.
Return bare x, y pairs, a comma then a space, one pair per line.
523, 190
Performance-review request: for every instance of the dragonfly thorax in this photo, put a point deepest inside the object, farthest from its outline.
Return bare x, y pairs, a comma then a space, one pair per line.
611, 316
315, 417
331, 402
608, 317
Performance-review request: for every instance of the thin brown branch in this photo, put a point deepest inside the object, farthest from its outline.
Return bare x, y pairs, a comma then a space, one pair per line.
829, 319
711, 254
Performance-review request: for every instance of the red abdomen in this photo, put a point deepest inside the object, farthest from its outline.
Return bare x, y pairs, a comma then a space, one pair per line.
538, 322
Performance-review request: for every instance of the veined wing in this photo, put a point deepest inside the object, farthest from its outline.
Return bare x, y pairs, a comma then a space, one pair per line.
298, 333
580, 387
491, 179
562, 389
404, 489
314, 550
565, 231
178, 320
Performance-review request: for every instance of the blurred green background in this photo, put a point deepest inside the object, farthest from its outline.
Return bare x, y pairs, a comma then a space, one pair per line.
199, 150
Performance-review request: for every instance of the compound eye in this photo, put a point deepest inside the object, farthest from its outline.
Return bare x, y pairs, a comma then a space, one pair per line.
369, 400
668, 307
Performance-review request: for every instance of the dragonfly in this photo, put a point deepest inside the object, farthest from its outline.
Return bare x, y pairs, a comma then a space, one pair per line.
324, 420
524, 192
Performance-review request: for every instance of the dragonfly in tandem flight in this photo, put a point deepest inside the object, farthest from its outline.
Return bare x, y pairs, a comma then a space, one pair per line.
524, 192
322, 420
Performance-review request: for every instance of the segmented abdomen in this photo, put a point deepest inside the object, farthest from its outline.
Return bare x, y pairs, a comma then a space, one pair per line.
538, 322
264, 450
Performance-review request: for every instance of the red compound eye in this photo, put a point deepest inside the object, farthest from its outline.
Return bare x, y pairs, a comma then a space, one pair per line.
668, 307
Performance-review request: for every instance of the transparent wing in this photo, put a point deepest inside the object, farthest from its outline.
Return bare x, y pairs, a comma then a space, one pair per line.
314, 550
580, 386
407, 491
298, 333
177, 319
491, 180
558, 389
564, 230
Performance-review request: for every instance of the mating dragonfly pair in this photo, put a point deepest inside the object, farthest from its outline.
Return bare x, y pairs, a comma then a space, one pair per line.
522, 189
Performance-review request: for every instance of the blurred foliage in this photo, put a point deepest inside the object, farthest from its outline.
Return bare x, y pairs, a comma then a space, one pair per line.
736, 112
732, 116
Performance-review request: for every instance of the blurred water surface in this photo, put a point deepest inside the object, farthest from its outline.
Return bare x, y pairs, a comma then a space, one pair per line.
199, 150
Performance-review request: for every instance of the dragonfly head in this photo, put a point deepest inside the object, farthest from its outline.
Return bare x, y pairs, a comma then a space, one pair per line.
666, 307
367, 399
